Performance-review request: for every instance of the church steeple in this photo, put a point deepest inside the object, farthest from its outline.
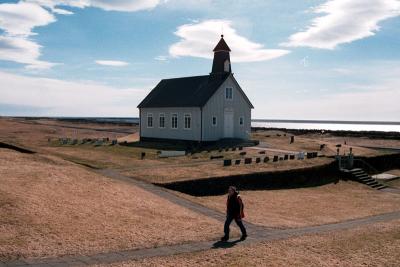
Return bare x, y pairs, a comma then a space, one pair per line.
222, 61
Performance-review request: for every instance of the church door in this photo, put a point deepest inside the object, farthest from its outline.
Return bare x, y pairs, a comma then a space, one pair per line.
228, 124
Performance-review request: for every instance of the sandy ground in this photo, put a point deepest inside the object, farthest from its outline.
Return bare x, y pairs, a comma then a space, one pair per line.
309, 206
50, 207
373, 245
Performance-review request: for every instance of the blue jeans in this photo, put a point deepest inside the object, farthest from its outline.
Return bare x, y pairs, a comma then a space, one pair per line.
228, 221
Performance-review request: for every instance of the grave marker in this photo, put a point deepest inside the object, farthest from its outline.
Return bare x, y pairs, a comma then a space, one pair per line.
227, 162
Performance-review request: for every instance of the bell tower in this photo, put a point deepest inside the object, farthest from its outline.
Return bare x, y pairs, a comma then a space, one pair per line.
222, 61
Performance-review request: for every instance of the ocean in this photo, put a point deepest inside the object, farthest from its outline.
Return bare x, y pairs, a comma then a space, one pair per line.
381, 126
329, 125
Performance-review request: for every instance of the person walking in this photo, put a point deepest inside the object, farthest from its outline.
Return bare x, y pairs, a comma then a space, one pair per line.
234, 211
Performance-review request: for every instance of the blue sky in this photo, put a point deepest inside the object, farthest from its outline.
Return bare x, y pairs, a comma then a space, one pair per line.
313, 59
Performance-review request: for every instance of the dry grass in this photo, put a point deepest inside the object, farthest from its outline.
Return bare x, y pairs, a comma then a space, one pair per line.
50, 207
361, 141
373, 245
309, 206
165, 174
394, 172
312, 142
116, 157
35, 133
394, 183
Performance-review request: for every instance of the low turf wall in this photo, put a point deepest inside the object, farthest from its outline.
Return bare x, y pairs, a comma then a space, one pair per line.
304, 177
16, 148
383, 163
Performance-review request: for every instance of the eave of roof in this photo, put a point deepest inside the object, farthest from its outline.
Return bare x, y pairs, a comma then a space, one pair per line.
183, 92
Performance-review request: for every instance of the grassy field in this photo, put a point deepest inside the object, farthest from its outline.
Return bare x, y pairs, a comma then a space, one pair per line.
312, 142
309, 206
166, 174
51, 207
36, 133
373, 245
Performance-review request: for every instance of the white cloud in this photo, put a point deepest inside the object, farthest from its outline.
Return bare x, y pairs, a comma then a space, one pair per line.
62, 11
161, 58
22, 50
381, 103
109, 5
65, 98
367, 90
188, 4
113, 63
17, 21
344, 21
198, 40
125, 5
21, 18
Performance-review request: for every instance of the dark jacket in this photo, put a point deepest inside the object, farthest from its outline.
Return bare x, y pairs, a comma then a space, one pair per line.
234, 206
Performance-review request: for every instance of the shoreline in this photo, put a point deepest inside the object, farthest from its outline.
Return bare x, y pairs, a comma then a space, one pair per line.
329, 122
344, 133
125, 121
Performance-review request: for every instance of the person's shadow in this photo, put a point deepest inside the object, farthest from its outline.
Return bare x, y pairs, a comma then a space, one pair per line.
225, 244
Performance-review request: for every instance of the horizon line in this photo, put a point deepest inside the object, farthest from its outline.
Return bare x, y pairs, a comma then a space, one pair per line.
253, 120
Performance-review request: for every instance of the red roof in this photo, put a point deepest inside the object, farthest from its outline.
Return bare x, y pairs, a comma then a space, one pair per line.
222, 46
